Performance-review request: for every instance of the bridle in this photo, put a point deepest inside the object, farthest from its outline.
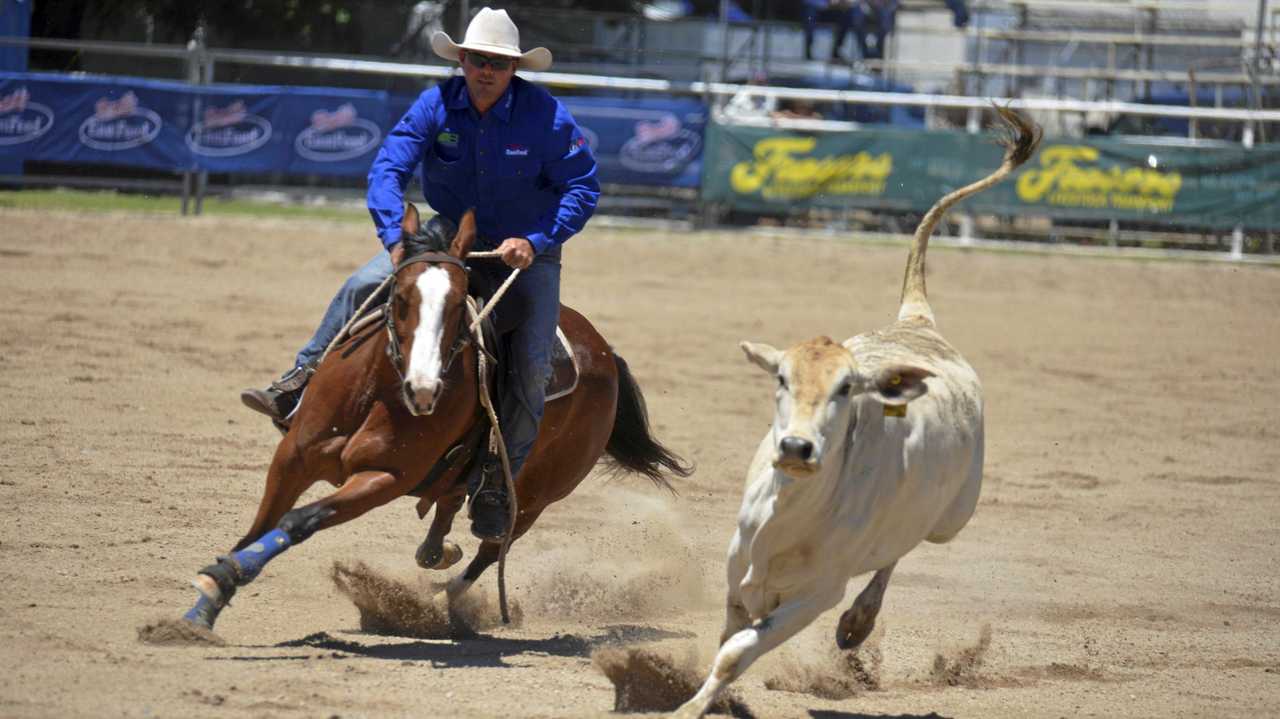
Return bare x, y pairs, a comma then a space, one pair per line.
462, 337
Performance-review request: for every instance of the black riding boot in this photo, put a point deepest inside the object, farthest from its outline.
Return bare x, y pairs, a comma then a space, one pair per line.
490, 507
279, 399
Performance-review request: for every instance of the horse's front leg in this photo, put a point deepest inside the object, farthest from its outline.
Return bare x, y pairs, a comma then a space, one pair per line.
217, 583
436, 552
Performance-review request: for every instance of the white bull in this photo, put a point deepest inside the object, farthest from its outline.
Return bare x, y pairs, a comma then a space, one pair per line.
876, 445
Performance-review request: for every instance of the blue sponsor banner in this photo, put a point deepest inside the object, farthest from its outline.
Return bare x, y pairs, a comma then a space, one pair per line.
15, 21
237, 129
334, 132
306, 131
297, 130
643, 141
114, 121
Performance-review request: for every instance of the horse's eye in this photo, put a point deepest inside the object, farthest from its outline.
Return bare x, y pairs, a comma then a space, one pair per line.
782, 382
845, 390
402, 310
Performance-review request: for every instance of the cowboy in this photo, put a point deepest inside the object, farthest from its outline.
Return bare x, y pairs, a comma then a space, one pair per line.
497, 143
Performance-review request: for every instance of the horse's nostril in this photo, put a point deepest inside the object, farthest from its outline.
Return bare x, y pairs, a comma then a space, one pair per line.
796, 448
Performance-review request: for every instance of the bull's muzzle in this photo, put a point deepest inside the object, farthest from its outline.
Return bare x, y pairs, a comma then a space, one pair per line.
796, 456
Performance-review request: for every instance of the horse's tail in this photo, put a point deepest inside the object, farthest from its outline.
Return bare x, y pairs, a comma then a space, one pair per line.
631, 445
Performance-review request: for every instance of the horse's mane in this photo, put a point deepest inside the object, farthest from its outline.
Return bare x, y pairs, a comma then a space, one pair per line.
435, 235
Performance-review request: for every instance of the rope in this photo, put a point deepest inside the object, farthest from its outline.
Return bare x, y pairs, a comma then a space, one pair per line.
342, 333
495, 439
493, 301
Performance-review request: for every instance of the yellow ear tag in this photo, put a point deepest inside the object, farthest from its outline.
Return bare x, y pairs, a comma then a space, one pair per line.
895, 410
897, 380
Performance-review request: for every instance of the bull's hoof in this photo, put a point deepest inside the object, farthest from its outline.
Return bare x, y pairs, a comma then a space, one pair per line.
438, 556
854, 628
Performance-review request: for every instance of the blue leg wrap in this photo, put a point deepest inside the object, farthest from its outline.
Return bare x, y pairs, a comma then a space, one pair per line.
204, 613
254, 557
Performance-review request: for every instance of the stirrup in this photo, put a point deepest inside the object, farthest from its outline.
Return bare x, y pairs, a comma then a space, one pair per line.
296, 378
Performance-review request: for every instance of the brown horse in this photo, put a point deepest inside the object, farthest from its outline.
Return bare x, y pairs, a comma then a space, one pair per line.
380, 413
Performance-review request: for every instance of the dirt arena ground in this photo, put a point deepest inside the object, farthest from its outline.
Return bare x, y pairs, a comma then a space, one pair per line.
1122, 562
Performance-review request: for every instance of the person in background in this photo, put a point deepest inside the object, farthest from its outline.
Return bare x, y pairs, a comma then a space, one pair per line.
838, 12
873, 21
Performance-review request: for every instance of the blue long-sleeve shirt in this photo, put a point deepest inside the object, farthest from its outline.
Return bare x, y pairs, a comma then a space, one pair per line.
525, 166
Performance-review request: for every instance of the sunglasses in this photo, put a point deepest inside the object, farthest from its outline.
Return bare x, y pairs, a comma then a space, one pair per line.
480, 62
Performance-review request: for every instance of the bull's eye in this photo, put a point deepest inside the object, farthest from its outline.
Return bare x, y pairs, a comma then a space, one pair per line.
845, 390
782, 382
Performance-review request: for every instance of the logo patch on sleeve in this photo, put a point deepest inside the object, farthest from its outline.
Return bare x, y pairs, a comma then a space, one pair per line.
514, 150
448, 139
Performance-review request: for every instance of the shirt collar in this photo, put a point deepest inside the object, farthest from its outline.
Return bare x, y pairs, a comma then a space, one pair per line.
458, 99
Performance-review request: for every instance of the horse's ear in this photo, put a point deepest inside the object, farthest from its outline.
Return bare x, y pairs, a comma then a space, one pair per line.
411, 223
466, 235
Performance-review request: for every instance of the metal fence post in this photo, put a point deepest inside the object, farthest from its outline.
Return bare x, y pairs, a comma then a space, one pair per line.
192, 63
206, 78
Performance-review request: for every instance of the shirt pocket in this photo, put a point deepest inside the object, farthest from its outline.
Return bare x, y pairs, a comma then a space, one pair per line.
518, 168
444, 169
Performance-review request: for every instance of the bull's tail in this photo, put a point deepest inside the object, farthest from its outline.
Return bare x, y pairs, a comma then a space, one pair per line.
631, 445
1020, 142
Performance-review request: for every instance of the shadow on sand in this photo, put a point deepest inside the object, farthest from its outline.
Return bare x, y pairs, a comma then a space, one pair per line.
830, 714
479, 650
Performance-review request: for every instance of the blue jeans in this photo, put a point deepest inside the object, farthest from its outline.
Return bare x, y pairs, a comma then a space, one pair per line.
526, 315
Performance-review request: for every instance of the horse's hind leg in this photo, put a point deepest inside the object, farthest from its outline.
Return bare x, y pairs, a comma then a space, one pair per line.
218, 582
488, 554
436, 552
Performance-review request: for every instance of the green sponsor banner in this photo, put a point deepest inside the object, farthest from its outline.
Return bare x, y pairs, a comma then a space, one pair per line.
759, 169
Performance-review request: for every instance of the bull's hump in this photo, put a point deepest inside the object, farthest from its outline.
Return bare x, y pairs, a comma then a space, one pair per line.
908, 338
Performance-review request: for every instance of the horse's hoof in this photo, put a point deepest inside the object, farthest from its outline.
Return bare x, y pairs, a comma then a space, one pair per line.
439, 557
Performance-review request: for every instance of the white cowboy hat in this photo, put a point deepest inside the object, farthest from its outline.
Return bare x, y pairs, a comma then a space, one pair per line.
492, 33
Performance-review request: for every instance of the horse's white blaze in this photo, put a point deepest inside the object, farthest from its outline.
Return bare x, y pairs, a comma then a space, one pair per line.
425, 361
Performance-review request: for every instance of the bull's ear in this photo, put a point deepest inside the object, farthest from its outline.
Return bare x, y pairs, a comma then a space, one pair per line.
466, 236
764, 356
899, 384
412, 222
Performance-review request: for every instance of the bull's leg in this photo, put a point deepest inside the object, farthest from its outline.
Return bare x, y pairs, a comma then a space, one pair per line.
435, 552
858, 620
751, 643
217, 583
735, 619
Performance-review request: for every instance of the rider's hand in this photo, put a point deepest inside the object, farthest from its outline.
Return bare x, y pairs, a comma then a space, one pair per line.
517, 252
397, 254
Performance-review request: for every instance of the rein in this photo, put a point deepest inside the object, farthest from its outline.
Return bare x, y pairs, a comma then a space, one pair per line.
466, 335
394, 353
